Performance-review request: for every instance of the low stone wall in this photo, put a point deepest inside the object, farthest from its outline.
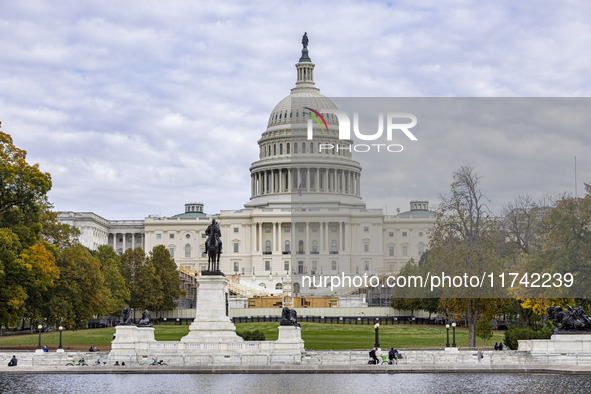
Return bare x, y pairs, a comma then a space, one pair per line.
345, 358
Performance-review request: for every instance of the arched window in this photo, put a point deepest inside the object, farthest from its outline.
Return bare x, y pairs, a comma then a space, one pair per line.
287, 147
187, 251
296, 287
311, 147
295, 147
303, 147
333, 246
287, 246
268, 246
280, 149
301, 247
264, 286
275, 149
279, 286
314, 246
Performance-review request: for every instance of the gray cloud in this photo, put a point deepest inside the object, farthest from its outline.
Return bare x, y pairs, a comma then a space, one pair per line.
138, 108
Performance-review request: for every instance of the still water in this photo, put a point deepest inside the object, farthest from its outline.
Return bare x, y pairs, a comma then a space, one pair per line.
310, 383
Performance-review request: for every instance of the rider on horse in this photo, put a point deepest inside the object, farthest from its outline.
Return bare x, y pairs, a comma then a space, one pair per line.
213, 230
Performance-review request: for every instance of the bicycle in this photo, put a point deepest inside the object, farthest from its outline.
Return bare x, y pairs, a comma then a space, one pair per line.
157, 362
80, 362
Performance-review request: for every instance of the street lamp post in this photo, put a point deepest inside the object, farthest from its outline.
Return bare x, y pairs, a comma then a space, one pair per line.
60, 348
377, 328
447, 328
39, 349
39, 328
453, 327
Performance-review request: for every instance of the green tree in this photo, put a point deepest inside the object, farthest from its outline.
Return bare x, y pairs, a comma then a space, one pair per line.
141, 280
79, 293
484, 328
170, 282
116, 291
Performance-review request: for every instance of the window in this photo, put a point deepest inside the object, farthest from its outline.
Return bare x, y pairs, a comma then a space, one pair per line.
391, 251
420, 234
267, 229
236, 246
314, 229
315, 246
171, 251
404, 251
203, 235
421, 248
235, 229
288, 152
158, 236
279, 286
264, 286
267, 266
287, 246
187, 251
300, 267
286, 265
314, 266
366, 246
366, 229
357, 270
295, 147
301, 229
203, 252
333, 246
301, 247
366, 265
311, 147
287, 229
303, 147
236, 264
268, 246
171, 235
333, 229
391, 234
404, 234
333, 265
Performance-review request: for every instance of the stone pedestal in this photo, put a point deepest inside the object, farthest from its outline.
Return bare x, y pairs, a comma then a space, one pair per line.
124, 342
558, 344
212, 323
289, 340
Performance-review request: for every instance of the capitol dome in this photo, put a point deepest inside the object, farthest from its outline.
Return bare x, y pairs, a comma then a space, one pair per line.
292, 168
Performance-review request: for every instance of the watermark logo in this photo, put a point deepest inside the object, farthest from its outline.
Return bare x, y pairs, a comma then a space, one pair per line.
392, 121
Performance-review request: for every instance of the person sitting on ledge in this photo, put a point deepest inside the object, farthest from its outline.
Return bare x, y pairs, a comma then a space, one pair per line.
13, 361
496, 346
501, 346
374, 358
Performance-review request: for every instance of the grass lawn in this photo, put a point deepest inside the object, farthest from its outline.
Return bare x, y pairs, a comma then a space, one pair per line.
316, 336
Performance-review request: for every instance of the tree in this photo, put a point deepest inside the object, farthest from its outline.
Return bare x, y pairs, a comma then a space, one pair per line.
466, 240
79, 293
116, 291
484, 328
141, 279
170, 282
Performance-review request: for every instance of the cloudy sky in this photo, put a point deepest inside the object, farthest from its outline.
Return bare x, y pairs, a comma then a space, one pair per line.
138, 107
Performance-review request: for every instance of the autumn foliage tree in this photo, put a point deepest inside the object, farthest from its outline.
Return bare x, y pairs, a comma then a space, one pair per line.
466, 240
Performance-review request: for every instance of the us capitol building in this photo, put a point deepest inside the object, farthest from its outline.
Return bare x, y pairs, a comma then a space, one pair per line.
305, 216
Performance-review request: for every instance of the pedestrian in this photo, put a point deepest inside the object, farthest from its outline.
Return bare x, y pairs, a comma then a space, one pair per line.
496, 346
480, 355
393, 356
501, 346
13, 361
45, 349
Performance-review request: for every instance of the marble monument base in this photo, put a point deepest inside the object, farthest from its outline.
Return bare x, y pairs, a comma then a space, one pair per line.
212, 323
558, 344
289, 340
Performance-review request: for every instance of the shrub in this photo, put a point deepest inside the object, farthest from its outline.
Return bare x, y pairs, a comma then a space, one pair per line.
256, 335
512, 335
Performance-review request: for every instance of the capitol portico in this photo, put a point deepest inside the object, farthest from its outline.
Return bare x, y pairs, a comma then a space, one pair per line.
305, 215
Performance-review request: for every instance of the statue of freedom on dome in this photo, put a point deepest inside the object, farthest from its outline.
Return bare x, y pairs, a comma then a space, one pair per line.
305, 40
